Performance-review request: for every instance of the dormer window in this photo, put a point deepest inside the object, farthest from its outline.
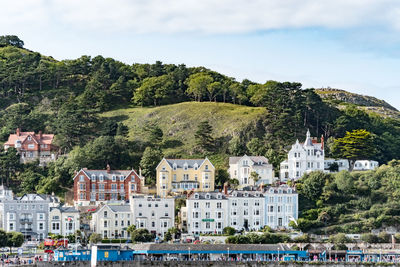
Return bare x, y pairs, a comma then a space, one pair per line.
121, 178
114, 178
196, 166
207, 196
271, 190
93, 177
219, 196
235, 194
280, 191
289, 191
174, 166
101, 178
185, 166
196, 196
246, 194
29, 138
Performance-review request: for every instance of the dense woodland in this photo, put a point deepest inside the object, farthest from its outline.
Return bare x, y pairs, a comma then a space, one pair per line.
68, 97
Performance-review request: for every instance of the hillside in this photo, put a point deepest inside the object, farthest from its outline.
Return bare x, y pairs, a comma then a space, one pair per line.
367, 103
179, 121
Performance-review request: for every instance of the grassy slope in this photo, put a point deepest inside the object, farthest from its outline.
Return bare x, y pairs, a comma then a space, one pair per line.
179, 121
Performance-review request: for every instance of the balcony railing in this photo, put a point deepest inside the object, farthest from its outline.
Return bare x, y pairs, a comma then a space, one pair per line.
26, 220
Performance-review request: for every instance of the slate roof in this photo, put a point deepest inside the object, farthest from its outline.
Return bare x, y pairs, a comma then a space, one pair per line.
255, 159
249, 194
120, 208
202, 195
180, 162
65, 209
284, 189
107, 175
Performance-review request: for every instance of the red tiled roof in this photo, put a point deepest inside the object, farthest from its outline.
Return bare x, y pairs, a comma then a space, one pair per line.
46, 138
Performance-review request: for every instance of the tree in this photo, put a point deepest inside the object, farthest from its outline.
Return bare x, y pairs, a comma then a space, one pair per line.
153, 90
150, 159
3, 238
344, 182
154, 135
229, 230
12, 40
256, 147
313, 184
355, 145
255, 177
213, 90
197, 85
131, 228
14, 239
221, 176
95, 238
141, 235
203, 136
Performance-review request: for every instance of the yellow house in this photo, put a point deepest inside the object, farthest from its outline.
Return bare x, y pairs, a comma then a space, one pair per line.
179, 175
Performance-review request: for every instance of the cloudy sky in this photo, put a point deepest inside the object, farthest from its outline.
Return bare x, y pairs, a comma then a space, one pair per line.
348, 44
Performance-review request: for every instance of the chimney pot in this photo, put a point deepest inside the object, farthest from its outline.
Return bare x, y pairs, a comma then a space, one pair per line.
18, 131
108, 168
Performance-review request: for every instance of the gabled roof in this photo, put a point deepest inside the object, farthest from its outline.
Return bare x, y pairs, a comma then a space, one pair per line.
39, 197
246, 194
181, 162
107, 175
65, 209
255, 159
46, 138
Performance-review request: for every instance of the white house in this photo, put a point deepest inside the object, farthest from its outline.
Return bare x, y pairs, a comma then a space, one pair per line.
281, 206
303, 158
240, 168
154, 214
111, 221
64, 220
365, 165
207, 212
246, 210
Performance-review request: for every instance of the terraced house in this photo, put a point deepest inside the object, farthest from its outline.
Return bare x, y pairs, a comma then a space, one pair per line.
92, 187
180, 175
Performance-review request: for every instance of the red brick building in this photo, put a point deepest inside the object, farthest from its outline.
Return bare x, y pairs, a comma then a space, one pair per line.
33, 146
91, 187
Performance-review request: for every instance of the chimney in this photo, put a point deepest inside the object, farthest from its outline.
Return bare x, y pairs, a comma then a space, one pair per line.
108, 168
18, 131
75, 173
225, 189
322, 141
261, 186
40, 135
140, 173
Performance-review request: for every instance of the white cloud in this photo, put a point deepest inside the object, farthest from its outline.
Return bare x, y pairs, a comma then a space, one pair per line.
204, 16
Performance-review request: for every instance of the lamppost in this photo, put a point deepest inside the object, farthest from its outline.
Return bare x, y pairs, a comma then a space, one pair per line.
279, 259
189, 254
228, 253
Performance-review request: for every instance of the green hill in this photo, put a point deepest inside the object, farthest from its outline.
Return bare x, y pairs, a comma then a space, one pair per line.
179, 121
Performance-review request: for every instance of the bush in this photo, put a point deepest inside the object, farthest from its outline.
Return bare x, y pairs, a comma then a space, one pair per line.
229, 230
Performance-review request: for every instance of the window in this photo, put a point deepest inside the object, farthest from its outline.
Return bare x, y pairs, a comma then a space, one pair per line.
208, 225
121, 178
219, 225
121, 186
219, 205
207, 205
196, 205
297, 164
133, 187
219, 215
40, 216
31, 146
116, 223
55, 226
105, 214
29, 138
174, 177
81, 178
271, 208
153, 224
186, 177
101, 178
93, 186
113, 187
11, 227
245, 202
41, 226
206, 167
82, 186
166, 214
196, 225
245, 212
11, 216
114, 178
105, 224
195, 215
82, 196
207, 215
185, 167
166, 205
94, 177
234, 202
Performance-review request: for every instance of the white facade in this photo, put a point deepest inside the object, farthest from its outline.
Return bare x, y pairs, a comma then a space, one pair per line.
246, 210
206, 213
28, 214
63, 221
343, 164
365, 165
240, 169
303, 158
111, 221
281, 206
154, 214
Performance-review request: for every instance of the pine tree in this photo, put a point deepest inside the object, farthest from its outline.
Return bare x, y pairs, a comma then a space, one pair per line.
204, 139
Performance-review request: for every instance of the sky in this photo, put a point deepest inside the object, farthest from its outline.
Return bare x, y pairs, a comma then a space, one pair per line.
347, 44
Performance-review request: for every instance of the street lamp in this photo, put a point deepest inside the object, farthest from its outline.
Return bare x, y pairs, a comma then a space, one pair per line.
189, 254
278, 254
228, 253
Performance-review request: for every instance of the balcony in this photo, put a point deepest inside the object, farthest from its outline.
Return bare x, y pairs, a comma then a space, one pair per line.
26, 220
26, 230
